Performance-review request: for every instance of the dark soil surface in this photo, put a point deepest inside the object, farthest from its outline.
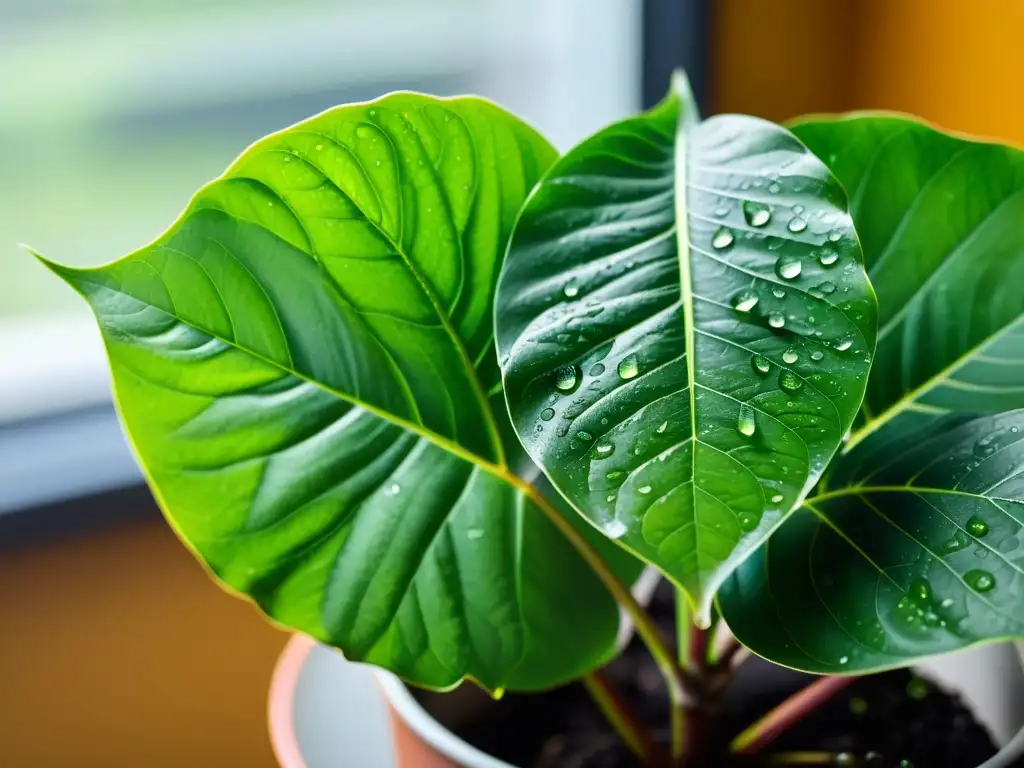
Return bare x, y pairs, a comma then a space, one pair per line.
890, 719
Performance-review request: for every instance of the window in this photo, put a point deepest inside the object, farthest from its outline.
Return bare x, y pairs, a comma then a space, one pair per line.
113, 112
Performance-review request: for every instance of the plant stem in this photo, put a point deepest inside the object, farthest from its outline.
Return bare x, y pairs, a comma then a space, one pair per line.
788, 713
693, 647
623, 720
802, 758
644, 624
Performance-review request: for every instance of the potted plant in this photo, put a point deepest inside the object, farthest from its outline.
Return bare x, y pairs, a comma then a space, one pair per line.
781, 366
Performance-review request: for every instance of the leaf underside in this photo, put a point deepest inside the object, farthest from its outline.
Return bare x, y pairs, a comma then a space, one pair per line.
939, 221
301, 363
916, 549
685, 328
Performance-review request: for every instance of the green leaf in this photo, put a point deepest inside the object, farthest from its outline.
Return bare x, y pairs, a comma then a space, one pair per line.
939, 220
684, 328
917, 550
301, 363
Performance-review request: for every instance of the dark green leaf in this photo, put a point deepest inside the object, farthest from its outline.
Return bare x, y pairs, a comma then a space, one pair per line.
917, 550
685, 328
301, 362
939, 219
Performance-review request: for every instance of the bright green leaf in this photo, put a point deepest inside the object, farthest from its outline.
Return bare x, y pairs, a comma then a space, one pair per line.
939, 218
301, 363
685, 327
917, 549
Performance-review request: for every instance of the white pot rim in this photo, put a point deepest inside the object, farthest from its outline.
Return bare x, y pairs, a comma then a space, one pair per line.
423, 724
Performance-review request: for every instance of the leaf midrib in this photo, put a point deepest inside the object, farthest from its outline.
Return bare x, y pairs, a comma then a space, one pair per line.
686, 300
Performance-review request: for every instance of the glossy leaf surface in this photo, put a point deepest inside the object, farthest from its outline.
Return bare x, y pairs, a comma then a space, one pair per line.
939, 219
301, 362
684, 328
916, 549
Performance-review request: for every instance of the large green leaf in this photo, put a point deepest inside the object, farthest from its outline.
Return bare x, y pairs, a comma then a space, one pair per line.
301, 363
917, 549
685, 328
939, 219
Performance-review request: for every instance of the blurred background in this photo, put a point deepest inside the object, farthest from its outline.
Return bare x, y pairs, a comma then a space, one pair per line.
115, 649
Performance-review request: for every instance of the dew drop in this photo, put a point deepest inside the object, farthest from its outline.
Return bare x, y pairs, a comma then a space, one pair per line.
817, 355
644, 489
776, 320
319, 147
774, 188
789, 381
977, 527
788, 267
603, 450
796, 224
721, 211
828, 287
615, 474
547, 414
828, 256
761, 365
596, 369
985, 447
790, 356
566, 378
844, 659
610, 498
395, 489
756, 214
628, 367
797, 209
744, 301
778, 293
748, 522
745, 423
776, 498
614, 528
844, 345
364, 131
979, 580
474, 533
662, 427
774, 243
584, 436
572, 288
835, 235
844, 758
723, 239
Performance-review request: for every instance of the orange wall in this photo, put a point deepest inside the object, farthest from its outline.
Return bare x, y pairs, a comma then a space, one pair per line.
956, 63
117, 650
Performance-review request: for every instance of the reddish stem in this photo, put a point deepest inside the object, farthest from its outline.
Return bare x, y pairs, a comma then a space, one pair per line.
791, 711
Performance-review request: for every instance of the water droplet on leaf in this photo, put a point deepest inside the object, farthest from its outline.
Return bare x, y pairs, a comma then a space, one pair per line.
789, 381
817, 355
776, 320
828, 256
788, 267
547, 414
628, 367
603, 450
745, 423
723, 238
596, 369
979, 580
744, 301
796, 224
756, 214
566, 378
644, 489
761, 365
977, 527
790, 356
571, 288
